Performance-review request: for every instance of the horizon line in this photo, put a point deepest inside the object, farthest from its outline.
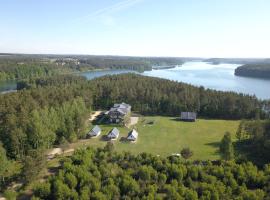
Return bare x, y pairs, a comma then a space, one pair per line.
112, 55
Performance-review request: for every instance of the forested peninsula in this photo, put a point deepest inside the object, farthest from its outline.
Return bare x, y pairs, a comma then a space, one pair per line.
261, 70
20, 66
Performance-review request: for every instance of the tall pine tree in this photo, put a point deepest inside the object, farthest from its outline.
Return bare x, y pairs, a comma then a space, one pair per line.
226, 147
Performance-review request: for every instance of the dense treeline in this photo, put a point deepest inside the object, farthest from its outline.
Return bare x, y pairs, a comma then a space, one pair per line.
40, 117
57, 80
105, 174
259, 70
111, 63
120, 62
37, 119
164, 97
254, 140
32, 121
45, 127
159, 96
19, 70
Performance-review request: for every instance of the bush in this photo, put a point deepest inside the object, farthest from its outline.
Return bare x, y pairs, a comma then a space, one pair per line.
42, 190
186, 153
10, 194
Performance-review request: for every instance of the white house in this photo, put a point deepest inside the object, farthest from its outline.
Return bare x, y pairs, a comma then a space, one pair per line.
133, 135
94, 132
113, 134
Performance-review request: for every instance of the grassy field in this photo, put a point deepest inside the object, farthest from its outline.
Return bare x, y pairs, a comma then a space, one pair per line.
167, 136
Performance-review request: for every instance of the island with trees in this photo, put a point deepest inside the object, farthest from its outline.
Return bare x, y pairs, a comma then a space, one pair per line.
250, 67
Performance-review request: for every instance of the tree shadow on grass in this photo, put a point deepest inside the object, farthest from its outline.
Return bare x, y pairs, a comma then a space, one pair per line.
124, 140
215, 145
104, 138
176, 119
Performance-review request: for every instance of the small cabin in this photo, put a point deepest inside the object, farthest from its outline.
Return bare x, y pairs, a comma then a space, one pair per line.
133, 135
95, 132
113, 134
188, 116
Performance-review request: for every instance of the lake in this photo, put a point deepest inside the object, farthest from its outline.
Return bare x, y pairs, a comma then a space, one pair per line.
95, 74
6, 86
218, 77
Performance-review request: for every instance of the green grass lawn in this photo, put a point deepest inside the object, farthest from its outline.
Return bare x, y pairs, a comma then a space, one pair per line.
167, 136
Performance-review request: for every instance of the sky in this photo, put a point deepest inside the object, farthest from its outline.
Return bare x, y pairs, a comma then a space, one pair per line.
177, 28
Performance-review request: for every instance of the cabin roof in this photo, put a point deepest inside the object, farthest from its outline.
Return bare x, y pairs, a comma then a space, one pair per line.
96, 129
121, 105
114, 132
133, 133
188, 115
122, 108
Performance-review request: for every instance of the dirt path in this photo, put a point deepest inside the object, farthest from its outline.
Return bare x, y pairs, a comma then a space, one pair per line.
133, 121
93, 116
54, 152
69, 150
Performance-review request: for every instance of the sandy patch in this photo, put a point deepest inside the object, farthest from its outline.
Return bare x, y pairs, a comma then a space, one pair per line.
94, 116
53, 152
133, 121
69, 151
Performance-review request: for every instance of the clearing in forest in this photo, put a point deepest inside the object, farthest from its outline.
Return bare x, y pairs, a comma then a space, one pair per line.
165, 136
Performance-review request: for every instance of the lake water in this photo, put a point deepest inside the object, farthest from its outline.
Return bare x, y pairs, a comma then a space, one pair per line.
95, 74
6, 86
218, 77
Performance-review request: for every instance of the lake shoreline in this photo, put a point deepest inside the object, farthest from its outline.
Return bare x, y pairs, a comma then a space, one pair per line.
12, 83
197, 73
212, 76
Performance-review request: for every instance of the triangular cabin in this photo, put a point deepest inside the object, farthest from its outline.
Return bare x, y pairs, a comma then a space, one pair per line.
188, 116
95, 131
133, 135
113, 134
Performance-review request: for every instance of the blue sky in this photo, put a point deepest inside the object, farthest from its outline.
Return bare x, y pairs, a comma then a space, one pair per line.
204, 28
